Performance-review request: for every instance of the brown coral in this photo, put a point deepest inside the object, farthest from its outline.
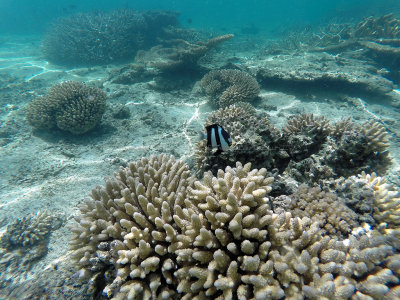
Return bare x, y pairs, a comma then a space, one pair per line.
226, 87
70, 106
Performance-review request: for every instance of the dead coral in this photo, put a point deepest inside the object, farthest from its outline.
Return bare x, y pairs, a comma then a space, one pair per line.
226, 87
69, 106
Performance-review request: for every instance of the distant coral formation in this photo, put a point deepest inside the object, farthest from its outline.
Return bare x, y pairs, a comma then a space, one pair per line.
308, 148
226, 87
69, 106
104, 37
154, 232
180, 56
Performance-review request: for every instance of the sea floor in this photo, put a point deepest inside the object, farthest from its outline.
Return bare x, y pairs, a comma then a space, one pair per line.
54, 172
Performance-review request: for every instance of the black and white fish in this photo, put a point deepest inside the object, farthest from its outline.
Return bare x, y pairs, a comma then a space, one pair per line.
217, 138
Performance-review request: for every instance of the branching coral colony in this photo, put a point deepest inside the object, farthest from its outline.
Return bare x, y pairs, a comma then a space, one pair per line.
154, 232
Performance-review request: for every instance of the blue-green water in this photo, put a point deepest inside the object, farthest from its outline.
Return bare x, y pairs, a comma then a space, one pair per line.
270, 16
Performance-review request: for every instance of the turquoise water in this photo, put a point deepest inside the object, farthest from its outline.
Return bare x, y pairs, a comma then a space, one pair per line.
33, 16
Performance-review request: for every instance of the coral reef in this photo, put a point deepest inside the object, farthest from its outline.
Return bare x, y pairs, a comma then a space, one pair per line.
56, 281
128, 226
358, 147
386, 26
69, 106
254, 139
95, 38
105, 37
181, 55
305, 134
374, 39
153, 232
308, 148
226, 87
322, 71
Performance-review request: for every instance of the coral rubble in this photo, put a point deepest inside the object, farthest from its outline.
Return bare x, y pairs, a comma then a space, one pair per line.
69, 106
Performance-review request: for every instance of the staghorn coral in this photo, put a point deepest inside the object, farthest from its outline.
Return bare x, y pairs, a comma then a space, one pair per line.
70, 106
253, 137
226, 87
156, 233
386, 26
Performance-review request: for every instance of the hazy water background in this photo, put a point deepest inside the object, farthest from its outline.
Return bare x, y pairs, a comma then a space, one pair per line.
271, 17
